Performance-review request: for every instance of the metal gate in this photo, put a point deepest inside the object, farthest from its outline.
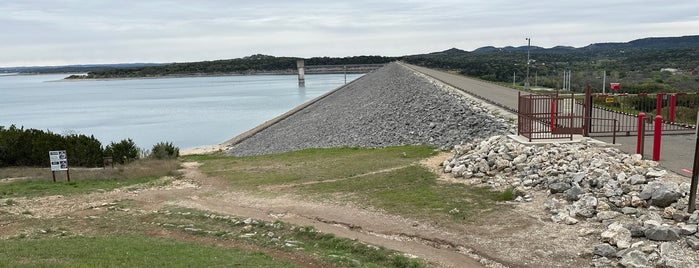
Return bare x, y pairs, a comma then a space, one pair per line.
553, 116
548, 117
678, 110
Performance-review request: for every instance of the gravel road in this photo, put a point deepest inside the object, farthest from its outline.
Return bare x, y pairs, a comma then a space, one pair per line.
390, 106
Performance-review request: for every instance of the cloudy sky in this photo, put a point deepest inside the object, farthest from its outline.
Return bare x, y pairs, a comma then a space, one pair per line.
59, 32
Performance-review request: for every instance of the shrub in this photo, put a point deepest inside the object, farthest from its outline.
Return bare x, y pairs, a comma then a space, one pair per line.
164, 150
122, 152
30, 147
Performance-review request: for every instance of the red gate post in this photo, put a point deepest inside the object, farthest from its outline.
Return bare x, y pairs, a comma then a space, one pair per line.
641, 133
657, 137
553, 113
671, 114
659, 104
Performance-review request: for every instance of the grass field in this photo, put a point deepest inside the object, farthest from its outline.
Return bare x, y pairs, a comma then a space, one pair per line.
33, 182
126, 251
121, 234
389, 179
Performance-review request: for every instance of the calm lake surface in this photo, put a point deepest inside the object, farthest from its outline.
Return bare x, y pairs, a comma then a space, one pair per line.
189, 112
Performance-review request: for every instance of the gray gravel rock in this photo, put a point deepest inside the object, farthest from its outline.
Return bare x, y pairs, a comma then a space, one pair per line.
663, 233
664, 195
604, 250
635, 259
390, 106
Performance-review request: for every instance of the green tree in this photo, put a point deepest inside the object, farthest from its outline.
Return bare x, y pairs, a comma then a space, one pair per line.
123, 151
164, 150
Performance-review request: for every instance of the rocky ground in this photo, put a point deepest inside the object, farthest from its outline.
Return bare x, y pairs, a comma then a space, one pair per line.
391, 106
636, 211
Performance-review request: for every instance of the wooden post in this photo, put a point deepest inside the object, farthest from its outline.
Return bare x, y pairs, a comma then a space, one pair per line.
54, 175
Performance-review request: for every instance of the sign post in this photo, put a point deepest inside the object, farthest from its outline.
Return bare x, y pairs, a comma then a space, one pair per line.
695, 171
59, 162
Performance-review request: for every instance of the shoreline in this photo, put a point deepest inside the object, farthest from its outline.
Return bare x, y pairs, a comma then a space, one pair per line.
224, 146
66, 79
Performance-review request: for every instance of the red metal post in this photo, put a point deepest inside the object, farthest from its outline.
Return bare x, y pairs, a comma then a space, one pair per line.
673, 101
660, 104
553, 113
657, 137
641, 133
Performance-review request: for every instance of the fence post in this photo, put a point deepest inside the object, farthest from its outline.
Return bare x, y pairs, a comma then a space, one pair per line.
657, 137
673, 101
587, 125
695, 171
640, 143
659, 104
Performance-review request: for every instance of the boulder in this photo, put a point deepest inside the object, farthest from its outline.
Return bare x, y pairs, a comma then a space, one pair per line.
665, 195
635, 259
573, 194
694, 218
662, 233
585, 207
559, 187
693, 242
617, 235
655, 173
607, 215
636, 230
604, 250
671, 257
637, 179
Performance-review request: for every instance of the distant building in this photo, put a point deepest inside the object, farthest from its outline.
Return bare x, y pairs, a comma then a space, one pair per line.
671, 70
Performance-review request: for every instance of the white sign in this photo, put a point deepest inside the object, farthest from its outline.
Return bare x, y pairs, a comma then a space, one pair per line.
59, 160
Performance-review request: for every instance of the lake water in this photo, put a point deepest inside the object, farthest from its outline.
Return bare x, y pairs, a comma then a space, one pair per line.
189, 112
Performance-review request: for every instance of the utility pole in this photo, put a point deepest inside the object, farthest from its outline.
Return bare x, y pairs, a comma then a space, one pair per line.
526, 83
514, 78
604, 81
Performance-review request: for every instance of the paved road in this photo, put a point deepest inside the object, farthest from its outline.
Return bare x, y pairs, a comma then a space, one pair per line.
676, 154
501, 96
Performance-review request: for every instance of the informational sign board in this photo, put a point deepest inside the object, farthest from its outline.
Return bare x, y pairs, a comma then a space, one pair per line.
609, 100
59, 160
614, 86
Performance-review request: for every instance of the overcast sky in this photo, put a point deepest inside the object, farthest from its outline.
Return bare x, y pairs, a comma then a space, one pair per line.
60, 32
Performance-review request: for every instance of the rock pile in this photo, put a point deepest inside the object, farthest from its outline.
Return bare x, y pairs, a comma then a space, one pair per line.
388, 107
641, 212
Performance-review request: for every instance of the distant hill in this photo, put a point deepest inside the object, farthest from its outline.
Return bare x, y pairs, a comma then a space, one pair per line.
637, 64
81, 68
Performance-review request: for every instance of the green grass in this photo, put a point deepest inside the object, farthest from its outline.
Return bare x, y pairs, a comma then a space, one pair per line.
378, 178
128, 251
411, 191
35, 182
340, 252
307, 165
42, 188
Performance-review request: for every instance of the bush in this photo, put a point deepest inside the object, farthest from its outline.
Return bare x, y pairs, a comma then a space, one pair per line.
30, 147
164, 150
122, 152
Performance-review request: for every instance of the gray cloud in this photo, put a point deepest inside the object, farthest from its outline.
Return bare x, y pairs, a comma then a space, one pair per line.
72, 32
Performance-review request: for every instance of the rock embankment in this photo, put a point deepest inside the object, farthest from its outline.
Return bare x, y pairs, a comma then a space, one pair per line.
637, 209
390, 106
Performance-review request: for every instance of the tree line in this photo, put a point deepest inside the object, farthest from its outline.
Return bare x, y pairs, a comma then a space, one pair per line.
30, 147
247, 65
638, 70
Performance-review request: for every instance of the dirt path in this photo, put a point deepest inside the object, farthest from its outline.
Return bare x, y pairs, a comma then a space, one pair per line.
520, 237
